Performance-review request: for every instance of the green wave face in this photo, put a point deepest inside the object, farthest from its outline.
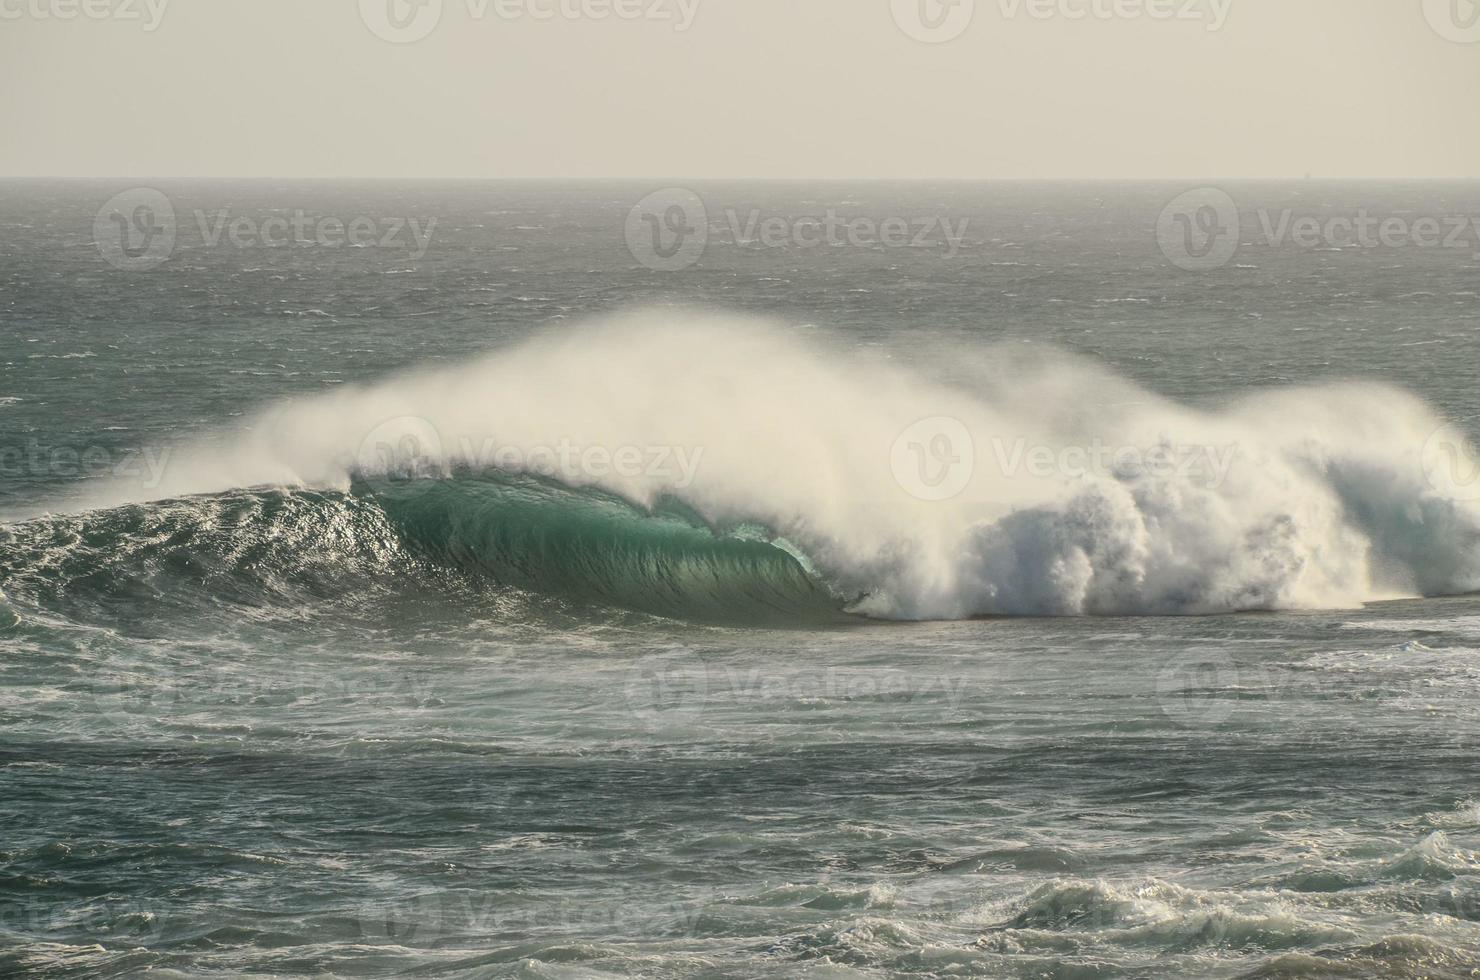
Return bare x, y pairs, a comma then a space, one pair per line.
595, 548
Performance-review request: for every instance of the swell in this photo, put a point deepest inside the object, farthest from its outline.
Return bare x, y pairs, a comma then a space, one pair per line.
290, 550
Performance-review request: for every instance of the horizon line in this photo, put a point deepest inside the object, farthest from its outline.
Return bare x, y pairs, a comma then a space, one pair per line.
704, 179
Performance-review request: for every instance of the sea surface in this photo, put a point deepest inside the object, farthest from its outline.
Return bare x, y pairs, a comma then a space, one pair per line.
720, 581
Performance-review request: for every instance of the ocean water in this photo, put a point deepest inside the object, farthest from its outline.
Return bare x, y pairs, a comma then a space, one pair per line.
1034, 592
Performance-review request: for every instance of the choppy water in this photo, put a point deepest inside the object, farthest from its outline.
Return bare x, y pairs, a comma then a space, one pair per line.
265, 709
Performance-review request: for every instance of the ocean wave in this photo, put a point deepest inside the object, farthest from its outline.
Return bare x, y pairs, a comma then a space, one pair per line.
588, 545
286, 549
782, 484
1162, 915
1434, 859
1401, 956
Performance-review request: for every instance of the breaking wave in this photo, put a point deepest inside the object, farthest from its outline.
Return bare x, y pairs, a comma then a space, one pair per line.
696, 465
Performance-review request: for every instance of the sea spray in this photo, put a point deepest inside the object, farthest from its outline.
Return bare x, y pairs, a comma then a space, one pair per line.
1324, 500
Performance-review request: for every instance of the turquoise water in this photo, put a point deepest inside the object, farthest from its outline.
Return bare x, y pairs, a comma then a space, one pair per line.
467, 722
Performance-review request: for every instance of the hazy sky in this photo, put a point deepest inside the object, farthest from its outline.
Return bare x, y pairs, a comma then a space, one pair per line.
740, 88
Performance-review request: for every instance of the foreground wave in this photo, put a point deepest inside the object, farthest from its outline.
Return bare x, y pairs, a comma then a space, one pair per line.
596, 548
288, 548
767, 474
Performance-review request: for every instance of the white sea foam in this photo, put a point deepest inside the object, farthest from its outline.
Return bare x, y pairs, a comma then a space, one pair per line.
1324, 502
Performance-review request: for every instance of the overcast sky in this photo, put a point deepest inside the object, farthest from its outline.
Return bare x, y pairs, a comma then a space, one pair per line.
740, 88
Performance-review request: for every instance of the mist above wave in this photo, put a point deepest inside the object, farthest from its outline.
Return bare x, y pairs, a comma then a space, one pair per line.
989, 484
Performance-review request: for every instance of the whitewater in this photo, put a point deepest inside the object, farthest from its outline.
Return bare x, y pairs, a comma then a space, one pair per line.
1301, 497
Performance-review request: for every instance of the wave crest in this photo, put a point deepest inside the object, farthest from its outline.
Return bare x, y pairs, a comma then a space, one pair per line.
1309, 497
